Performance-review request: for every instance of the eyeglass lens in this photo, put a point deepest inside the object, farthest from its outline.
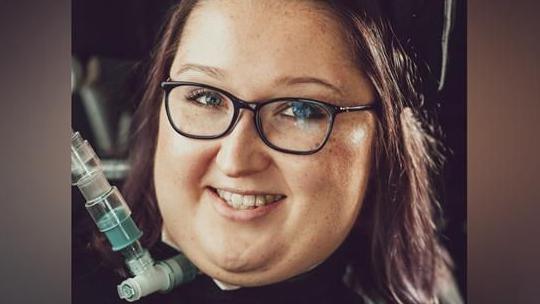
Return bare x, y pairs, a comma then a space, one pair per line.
295, 125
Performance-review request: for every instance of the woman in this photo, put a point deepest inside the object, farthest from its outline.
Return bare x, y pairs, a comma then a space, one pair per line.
278, 146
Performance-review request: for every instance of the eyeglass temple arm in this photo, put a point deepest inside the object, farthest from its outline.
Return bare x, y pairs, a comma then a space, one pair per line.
355, 108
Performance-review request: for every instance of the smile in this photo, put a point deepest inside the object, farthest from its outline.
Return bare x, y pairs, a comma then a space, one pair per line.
244, 206
241, 201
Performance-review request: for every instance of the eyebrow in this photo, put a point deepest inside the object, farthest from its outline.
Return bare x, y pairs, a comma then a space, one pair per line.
210, 71
288, 80
309, 80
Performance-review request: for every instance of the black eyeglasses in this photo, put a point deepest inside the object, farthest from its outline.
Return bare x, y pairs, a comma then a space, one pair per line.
288, 124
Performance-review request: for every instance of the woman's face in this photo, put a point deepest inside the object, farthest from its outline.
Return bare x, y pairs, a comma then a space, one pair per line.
259, 50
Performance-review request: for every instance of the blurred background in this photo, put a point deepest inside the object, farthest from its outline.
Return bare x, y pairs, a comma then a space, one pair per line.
111, 43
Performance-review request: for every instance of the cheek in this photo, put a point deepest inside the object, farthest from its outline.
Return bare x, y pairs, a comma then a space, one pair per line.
174, 160
331, 183
347, 159
179, 165
358, 136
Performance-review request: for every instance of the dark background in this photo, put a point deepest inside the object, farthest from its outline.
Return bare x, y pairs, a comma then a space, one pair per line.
502, 149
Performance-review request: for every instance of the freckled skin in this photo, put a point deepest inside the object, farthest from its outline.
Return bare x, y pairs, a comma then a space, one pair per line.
324, 190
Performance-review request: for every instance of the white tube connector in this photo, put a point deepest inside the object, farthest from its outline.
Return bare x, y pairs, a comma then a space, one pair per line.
162, 276
152, 280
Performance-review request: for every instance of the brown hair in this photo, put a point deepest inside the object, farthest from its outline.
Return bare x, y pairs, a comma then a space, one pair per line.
405, 259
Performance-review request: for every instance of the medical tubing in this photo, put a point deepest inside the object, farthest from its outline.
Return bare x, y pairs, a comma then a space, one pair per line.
104, 202
112, 216
83, 159
163, 277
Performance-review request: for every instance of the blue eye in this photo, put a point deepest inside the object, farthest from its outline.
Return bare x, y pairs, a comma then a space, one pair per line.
303, 110
205, 98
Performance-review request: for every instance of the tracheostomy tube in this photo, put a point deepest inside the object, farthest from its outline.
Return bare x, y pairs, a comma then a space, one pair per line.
112, 216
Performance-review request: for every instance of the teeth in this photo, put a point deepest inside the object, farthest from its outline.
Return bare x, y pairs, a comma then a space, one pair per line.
227, 195
260, 200
236, 200
249, 201
239, 201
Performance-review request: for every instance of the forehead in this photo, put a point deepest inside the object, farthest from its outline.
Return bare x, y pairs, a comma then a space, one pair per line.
259, 20
264, 38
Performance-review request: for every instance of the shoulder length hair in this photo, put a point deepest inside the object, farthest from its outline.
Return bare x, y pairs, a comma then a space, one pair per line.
395, 254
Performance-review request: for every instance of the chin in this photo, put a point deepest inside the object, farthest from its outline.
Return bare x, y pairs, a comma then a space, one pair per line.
241, 271
246, 279
236, 264
238, 256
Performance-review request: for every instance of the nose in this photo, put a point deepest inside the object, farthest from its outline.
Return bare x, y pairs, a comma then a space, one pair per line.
242, 152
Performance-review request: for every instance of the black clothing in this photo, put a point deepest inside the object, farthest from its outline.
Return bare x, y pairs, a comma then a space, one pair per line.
94, 283
322, 285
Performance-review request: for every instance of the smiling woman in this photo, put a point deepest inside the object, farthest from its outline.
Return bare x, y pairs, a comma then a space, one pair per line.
242, 162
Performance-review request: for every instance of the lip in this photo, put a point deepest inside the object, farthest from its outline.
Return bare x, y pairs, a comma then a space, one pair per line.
245, 215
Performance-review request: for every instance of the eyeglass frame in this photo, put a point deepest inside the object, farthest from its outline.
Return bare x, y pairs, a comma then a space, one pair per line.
255, 107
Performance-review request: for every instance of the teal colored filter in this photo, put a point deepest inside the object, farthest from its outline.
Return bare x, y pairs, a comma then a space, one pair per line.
112, 216
119, 228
